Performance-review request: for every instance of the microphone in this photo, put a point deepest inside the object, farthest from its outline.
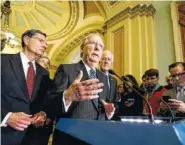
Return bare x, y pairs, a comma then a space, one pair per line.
164, 99
151, 117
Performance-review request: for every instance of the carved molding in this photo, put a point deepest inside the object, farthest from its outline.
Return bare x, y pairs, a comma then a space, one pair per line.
139, 9
74, 12
112, 3
176, 31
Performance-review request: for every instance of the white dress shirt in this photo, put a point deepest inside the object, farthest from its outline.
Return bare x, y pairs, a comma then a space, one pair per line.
25, 65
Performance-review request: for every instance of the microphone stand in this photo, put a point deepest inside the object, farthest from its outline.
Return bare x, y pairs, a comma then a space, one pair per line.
151, 117
126, 79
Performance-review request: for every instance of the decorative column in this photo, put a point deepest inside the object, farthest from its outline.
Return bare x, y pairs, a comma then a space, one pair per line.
130, 35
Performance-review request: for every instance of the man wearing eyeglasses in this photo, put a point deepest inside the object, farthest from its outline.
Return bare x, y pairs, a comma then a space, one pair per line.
176, 94
23, 87
80, 90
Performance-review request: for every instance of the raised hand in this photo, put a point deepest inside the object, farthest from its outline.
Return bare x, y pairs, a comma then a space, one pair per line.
85, 90
19, 120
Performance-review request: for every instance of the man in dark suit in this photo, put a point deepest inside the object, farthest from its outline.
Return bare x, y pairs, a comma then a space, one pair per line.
106, 64
80, 90
23, 86
176, 94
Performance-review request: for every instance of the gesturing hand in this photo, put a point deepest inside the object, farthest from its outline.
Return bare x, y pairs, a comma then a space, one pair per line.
109, 109
85, 90
19, 121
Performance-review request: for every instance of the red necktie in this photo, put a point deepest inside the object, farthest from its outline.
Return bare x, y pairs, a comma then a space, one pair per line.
30, 79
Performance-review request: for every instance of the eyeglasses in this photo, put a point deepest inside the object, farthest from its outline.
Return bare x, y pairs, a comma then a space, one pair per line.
106, 59
178, 75
40, 40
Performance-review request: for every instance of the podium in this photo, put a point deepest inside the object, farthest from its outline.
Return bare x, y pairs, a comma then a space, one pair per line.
127, 133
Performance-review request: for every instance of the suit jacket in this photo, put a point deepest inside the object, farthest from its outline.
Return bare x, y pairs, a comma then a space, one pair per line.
113, 93
14, 96
64, 77
173, 94
113, 96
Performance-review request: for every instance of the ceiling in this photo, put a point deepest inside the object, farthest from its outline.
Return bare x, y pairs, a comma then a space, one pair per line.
52, 17
64, 22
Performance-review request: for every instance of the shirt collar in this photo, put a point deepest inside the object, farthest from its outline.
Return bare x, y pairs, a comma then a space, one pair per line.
25, 59
156, 87
179, 88
87, 67
106, 73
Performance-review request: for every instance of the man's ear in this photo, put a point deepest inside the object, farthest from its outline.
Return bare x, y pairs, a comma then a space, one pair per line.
26, 40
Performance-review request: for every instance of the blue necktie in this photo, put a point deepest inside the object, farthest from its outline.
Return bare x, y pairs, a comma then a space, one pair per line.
92, 75
108, 82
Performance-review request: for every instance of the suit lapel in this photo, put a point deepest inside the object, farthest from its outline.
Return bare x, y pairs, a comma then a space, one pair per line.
37, 81
111, 81
19, 72
81, 66
99, 76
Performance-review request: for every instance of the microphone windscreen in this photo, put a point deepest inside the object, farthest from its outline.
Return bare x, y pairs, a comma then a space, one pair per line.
111, 72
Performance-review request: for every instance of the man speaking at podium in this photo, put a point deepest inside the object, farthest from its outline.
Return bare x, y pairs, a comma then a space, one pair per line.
80, 90
176, 94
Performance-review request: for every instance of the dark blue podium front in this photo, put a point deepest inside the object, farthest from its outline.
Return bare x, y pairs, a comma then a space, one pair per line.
119, 133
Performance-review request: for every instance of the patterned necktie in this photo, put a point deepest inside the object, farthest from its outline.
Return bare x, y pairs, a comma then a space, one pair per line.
180, 94
92, 75
30, 79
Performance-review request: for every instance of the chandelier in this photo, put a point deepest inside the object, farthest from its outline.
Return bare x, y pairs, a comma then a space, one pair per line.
6, 37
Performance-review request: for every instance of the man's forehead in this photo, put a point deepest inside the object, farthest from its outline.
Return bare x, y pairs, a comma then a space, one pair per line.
39, 35
107, 55
151, 76
95, 37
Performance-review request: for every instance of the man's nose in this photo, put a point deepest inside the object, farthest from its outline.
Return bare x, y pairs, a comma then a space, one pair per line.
44, 45
105, 61
149, 81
